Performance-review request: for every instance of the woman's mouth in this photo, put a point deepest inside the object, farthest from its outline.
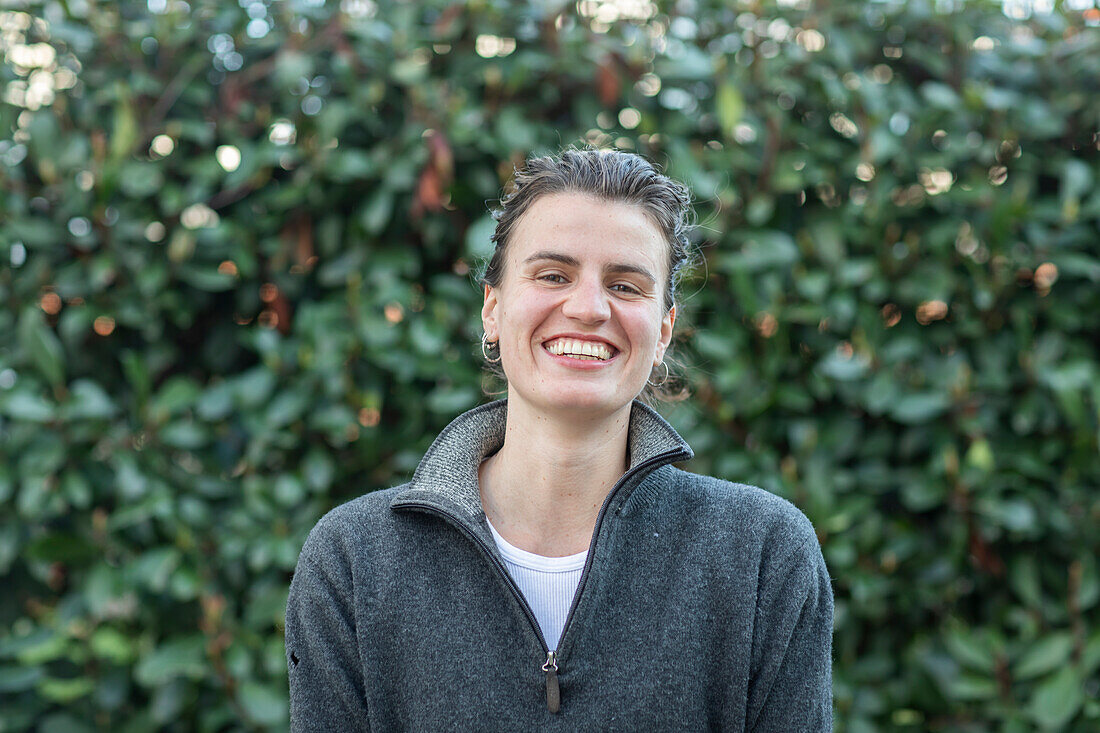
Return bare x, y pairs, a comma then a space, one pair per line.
579, 349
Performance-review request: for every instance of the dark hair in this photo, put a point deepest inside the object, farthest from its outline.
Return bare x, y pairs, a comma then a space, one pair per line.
613, 175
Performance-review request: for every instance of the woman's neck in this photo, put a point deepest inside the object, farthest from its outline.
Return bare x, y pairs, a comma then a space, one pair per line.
544, 488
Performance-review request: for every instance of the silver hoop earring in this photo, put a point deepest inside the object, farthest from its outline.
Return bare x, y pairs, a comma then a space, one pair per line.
487, 346
663, 379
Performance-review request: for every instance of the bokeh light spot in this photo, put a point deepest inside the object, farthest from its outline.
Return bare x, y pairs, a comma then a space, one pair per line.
155, 231
394, 312
229, 157
162, 146
50, 303
269, 292
104, 325
931, 310
629, 117
199, 216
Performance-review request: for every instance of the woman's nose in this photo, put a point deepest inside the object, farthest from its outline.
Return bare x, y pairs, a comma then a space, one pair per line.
587, 302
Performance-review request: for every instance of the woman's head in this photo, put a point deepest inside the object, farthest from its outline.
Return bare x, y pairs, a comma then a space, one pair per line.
604, 174
580, 291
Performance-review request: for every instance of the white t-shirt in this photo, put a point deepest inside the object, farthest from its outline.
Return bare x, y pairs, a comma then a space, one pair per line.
547, 583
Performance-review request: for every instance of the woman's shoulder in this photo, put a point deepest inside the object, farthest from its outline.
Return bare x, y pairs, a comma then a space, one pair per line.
730, 510
349, 526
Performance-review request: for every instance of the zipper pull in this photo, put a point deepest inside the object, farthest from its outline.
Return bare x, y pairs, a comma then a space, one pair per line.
553, 692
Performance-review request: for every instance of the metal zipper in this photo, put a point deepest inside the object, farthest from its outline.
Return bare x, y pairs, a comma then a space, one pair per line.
553, 692
550, 666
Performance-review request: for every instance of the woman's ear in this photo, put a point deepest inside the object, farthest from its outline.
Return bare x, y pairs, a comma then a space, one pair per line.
665, 337
489, 313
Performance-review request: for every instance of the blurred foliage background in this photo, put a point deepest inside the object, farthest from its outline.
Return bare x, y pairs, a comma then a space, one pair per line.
238, 247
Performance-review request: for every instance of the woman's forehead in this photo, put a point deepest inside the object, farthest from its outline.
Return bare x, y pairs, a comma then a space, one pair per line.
586, 226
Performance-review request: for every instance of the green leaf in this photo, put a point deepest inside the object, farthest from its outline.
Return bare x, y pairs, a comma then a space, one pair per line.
137, 373
263, 704
29, 407
376, 214
88, 400
970, 649
7, 482
18, 679
154, 568
33, 232
1075, 375
730, 106
125, 132
479, 246
254, 386
980, 455
64, 723
449, 400
131, 482
761, 250
288, 490
940, 95
828, 239
112, 644
972, 687
181, 657
216, 402
1076, 179
42, 647
1090, 658
1056, 701
318, 470
175, 395
844, 368
185, 434
1023, 578
61, 547
1073, 264
920, 408
285, 408
1089, 591
1048, 653
428, 337
139, 179
208, 279
41, 344
65, 691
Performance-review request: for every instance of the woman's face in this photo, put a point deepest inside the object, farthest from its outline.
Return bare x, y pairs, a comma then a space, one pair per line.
579, 310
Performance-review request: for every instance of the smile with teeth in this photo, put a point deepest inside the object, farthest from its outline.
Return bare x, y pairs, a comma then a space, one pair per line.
577, 349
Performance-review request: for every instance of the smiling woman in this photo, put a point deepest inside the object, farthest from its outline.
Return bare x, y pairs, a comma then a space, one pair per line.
547, 566
577, 311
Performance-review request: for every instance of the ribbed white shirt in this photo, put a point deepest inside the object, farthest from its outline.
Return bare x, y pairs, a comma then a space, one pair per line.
547, 584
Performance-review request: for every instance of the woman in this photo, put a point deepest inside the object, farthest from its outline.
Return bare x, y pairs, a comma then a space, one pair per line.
546, 566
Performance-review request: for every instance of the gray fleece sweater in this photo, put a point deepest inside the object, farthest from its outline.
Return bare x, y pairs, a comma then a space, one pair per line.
703, 605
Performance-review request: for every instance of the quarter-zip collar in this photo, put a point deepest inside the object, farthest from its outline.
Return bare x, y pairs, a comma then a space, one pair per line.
446, 483
447, 477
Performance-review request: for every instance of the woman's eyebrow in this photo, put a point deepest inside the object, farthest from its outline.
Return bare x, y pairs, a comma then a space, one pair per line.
555, 256
623, 268
616, 268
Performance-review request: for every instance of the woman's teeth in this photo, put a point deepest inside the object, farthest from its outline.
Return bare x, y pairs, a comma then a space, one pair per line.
579, 349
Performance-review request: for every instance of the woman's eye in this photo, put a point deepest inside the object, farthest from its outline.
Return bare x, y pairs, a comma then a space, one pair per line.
552, 277
625, 288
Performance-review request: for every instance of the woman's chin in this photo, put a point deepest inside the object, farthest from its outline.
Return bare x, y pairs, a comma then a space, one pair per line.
575, 399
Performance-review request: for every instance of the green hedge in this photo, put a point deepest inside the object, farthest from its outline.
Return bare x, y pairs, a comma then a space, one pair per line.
238, 246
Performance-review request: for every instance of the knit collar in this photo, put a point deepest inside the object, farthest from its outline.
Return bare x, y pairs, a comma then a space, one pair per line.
447, 477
